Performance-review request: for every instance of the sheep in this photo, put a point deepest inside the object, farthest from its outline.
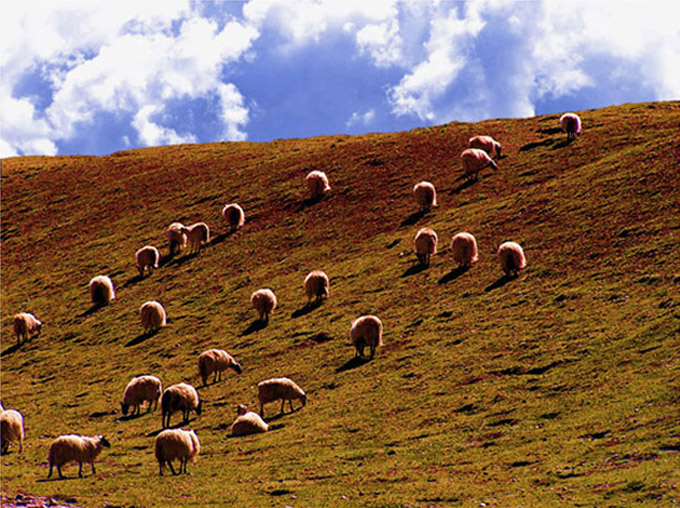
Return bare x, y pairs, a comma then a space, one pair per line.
464, 247
11, 429
486, 143
26, 326
179, 397
511, 257
233, 215
426, 245
139, 390
248, 422
317, 183
74, 448
101, 290
366, 331
282, 389
177, 239
571, 124
474, 160
425, 195
316, 286
215, 361
152, 314
174, 444
264, 301
147, 258
198, 234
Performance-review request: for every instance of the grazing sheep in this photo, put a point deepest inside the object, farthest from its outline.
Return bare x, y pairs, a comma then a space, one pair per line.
215, 361
511, 257
425, 195
177, 239
179, 397
234, 217
174, 444
474, 160
571, 124
282, 389
73, 448
426, 245
139, 390
198, 235
317, 183
11, 429
464, 247
486, 143
264, 301
26, 326
366, 331
152, 314
101, 290
147, 258
248, 422
317, 286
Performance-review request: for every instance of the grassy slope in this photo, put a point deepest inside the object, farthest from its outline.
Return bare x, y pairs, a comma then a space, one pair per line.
557, 388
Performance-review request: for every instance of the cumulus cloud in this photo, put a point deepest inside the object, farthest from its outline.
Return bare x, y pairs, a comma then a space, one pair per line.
361, 118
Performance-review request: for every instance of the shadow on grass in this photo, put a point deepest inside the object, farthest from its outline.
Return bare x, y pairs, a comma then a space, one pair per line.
413, 218
309, 307
56, 478
133, 280
178, 425
306, 203
352, 363
255, 326
11, 350
467, 183
127, 418
216, 240
563, 143
502, 281
141, 338
453, 274
183, 259
412, 270
550, 130
91, 310
531, 146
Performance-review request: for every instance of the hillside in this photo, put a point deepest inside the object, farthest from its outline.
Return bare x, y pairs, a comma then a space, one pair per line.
558, 388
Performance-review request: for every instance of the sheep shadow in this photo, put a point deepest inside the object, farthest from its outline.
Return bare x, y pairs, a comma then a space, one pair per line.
218, 239
550, 130
531, 146
309, 307
91, 310
255, 326
412, 270
187, 257
11, 350
64, 479
413, 218
133, 280
141, 338
352, 363
178, 425
502, 281
306, 203
562, 144
467, 183
453, 274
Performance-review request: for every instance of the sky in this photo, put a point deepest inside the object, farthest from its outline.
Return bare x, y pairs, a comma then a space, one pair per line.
96, 77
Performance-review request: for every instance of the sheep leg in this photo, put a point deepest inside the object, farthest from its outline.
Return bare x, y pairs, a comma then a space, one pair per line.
372, 352
215, 377
290, 402
93, 470
283, 402
59, 471
172, 469
80, 469
50, 472
160, 468
261, 410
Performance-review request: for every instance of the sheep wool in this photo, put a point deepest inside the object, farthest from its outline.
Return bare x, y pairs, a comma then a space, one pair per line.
11, 429
152, 315
366, 331
101, 290
177, 238
486, 143
317, 183
426, 245
180, 397
233, 215
147, 258
74, 448
511, 257
26, 326
198, 235
425, 195
474, 160
248, 422
139, 390
176, 444
464, 248
571, 124
282, 389
317, 286
215, 361
264, 302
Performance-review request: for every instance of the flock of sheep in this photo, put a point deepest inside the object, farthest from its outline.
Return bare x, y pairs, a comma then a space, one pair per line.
365, 332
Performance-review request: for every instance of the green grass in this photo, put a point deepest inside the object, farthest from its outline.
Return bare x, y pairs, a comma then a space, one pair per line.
558, 388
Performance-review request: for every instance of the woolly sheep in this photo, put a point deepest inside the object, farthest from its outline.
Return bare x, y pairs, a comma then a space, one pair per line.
511, 258
486, 143
26, 326
248, 422
264, 301
425, 195
215, 361
282, 389
152, 314
366, 331
474, 160
74, 448
147, 258
317, 286
571, 124
174, 444
198, 235
177, 239
179, 397
464, 247
101, 290
139, 390
317, 183
11, 429
426, 245
233, 215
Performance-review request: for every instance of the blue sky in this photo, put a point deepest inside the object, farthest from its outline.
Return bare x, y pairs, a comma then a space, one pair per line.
95, 77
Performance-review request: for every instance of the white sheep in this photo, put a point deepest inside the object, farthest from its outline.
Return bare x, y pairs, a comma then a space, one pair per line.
571, 124
511, 257
215, 361
147, 258
248, 422
486, 143
426, 245
425, 195
177, 239
233, 215
474, 160
74, 448
282, 389
172, 444
464, 247
317, 286
152, 315
180, 397
264, 302
11, 429
198, 235
102, 291
317, 183
26, 326
139, 390
366, 331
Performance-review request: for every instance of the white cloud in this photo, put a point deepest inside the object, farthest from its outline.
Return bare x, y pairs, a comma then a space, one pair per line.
382, 42
152, 134
360, 119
